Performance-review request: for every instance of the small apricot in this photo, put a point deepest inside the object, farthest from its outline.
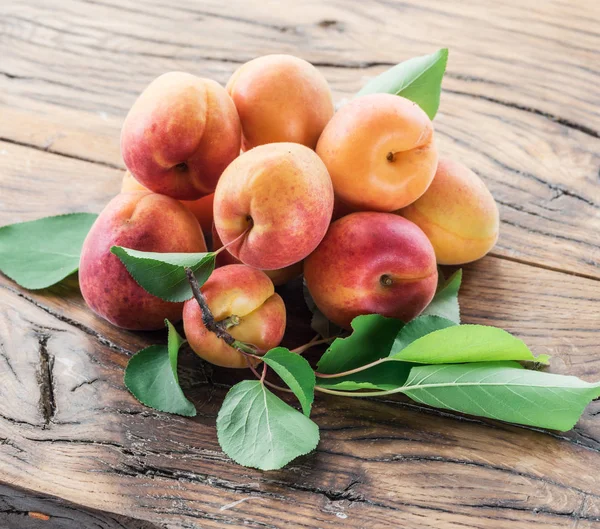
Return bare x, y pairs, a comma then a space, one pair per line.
243, 300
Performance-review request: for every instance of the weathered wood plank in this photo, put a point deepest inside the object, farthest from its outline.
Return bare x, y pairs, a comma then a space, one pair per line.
542, 59
379, 462
534, 144
21, 509
520, 106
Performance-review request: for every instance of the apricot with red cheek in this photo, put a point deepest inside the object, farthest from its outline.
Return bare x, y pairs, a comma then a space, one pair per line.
274, 205
243, 300
139, 220
372, 263
180, 135
457, 213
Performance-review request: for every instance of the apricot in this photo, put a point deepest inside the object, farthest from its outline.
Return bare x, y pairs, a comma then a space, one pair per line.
280, 98
458, 214
180, 135
244, 301
273, 204
144, 221
379, 152
279, 277
372, 263
201, 208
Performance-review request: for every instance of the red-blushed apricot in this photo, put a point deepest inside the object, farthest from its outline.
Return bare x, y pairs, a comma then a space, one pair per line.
143, 221
280, 98
379, 152
372, 263
244, 300
458, 214
281, 198
279, 276
201, 208
180, 135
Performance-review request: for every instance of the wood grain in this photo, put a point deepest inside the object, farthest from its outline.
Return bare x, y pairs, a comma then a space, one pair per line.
20, 509
520, 105
523, 115
379, 461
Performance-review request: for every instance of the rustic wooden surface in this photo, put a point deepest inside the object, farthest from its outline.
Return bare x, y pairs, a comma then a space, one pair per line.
521, 105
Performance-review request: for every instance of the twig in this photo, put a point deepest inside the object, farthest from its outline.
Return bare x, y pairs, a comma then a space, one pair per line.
207, 316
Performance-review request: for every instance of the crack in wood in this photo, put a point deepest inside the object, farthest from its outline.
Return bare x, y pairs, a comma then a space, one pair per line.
465, 462
59, 153
20, 506
46, 379
17, 421
65, 319
4, 355
85, 383
517, 106
11, 443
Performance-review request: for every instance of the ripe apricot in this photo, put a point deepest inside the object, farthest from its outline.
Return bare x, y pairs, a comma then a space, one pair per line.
379, 152
278, 200
458, 214
280, 98
242, 299
139, 220
372, 263
180, 135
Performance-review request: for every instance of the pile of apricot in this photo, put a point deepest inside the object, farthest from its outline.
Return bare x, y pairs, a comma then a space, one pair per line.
357, 200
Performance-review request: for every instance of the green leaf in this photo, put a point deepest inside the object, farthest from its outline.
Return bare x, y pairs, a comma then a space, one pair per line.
163, 274
319, 323
257, 429
296, 372
418, 79
466, 343
371, 340
418, 328
388, 375
40, 253
445, 301
503, 391
151, 377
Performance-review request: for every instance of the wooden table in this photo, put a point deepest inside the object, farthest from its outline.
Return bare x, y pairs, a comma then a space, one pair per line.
521, 106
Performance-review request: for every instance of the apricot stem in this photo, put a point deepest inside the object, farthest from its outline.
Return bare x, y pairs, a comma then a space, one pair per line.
245, 349
264, 373
386, 280
225, 246
229, 322
252, 368
312, 343
207, 316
